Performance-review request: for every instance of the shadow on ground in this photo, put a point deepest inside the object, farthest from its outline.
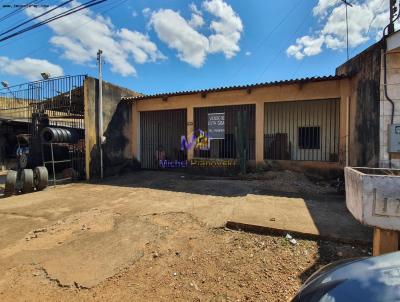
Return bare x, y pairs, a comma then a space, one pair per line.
326, 207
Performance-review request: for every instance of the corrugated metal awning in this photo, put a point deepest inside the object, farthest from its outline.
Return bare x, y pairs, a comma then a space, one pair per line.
219, 89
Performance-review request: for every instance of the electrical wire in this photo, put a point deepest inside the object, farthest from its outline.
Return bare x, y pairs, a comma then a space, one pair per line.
284, 46
61, 15
78, 27
19, 9
266, 38
36, 4
36, 17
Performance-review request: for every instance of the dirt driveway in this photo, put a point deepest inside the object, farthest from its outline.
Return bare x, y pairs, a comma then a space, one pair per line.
153, 236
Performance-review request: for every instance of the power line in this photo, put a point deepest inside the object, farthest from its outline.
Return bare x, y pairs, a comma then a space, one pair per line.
284, 46
369, 28
347, 3
19, 9
36, 3
36, 17
61, 15
265, 39
78, 27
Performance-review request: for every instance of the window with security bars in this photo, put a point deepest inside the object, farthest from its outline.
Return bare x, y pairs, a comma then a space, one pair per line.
309, 138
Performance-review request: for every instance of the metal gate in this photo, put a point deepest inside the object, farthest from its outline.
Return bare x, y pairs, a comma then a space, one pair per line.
302, 130
160, 138
227, 148
54, 102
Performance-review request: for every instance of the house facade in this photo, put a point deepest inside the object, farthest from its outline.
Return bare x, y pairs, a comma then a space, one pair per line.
291, 123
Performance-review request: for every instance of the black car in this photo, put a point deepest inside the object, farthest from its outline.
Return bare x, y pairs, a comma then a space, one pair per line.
368, 279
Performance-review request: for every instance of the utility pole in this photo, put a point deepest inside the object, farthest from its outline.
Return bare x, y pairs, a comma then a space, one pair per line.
100, 110
393, 11
346, 3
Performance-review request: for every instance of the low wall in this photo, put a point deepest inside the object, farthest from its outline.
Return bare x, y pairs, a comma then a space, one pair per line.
318, 169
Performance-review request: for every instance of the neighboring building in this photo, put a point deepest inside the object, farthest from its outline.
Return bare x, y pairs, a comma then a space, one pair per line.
65, 102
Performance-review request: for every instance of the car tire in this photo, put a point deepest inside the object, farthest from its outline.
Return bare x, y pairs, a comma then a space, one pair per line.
11, 182
27, 181
40, 178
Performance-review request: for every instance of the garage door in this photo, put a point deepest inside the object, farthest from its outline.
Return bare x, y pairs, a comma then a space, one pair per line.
160, 137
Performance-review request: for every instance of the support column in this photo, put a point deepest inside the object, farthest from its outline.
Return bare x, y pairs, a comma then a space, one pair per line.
135, 126
385, 241
190, 129
259, 133
344, 123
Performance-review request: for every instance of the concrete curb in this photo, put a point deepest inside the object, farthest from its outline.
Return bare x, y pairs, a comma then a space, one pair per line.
264, 230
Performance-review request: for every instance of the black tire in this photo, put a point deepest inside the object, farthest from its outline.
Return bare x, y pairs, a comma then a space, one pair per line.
27, 181
23, 161
11, 182
40, 178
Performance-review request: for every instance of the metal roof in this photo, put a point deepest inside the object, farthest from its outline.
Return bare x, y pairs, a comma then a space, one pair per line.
258, 85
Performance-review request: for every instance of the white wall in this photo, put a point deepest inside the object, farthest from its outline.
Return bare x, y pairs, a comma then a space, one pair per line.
393, 87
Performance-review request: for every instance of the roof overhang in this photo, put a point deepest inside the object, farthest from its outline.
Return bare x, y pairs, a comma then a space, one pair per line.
393, 41
250, 86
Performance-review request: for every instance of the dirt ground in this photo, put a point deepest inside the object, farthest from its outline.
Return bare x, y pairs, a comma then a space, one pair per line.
130, 240
187, 261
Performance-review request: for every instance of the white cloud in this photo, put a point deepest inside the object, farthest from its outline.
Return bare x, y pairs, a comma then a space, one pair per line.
227, 29
193, 46
366, 20
140, 46
248, 53
175, 31
321, 9
134, 14
80, 44
194, 9
196, 21
146, 11
123, 47
29, 68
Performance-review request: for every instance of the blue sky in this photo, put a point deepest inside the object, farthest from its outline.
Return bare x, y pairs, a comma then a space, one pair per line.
160, 46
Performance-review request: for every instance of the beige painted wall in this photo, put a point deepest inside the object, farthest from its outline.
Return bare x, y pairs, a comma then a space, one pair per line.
328, 89
14, 109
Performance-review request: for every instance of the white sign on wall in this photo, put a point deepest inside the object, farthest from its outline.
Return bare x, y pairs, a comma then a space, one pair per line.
216, 125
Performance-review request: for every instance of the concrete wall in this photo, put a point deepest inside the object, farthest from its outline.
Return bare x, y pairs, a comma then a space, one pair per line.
325, 89
364, 106
116, 127
393, 90
14, 109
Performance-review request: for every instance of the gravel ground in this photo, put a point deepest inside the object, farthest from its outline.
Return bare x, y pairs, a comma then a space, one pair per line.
188, 261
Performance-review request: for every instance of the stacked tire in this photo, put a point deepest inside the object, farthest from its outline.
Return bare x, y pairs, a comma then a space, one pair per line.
29, 181
11, 182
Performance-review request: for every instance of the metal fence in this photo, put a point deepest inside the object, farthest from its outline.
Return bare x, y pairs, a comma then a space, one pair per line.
302, 130
227, 147
58, 102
